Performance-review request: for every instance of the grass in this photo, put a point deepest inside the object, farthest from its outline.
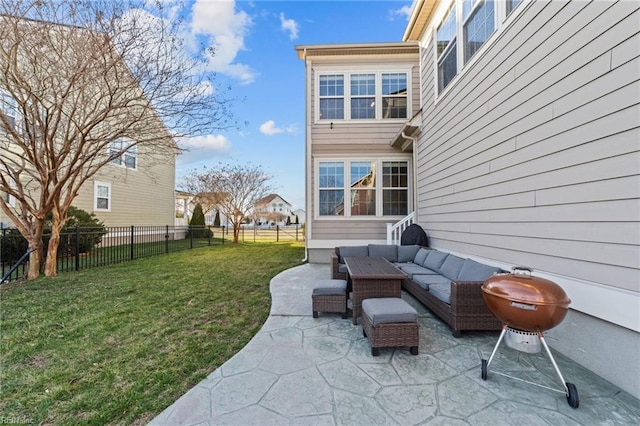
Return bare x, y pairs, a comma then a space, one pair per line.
118, 344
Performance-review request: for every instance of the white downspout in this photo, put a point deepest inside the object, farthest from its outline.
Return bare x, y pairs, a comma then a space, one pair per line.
414, 142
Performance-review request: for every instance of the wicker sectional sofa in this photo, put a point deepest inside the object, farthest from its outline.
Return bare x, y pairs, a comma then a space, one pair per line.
448, 285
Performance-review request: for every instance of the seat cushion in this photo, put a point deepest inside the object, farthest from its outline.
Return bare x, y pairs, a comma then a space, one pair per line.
411, 268
342, 268
426, 281
451, 267
388, 310
388, 251
475, 271
330, 288
435, 260
441, 291
407, 253
353, 251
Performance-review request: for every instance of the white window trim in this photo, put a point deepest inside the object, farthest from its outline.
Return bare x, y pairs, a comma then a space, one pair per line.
347, 195
346, 72
502, 21
96, 184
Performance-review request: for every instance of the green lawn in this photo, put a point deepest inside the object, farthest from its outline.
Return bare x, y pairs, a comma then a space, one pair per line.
118, 344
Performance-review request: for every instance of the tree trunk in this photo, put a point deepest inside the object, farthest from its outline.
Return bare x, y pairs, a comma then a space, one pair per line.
236, 233
35, 257
51, 264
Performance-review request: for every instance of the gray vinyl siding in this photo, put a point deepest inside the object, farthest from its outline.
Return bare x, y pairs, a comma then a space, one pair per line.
532, 156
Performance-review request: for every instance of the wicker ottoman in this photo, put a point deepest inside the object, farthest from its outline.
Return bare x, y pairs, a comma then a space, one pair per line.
389, 322
330, 296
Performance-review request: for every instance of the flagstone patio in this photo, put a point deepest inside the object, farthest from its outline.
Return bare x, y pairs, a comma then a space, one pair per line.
303, 371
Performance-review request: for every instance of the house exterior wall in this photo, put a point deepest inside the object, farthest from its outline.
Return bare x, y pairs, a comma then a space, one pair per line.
531, 156
341, 140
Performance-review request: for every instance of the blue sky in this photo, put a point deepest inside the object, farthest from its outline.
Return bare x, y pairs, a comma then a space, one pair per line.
254, 41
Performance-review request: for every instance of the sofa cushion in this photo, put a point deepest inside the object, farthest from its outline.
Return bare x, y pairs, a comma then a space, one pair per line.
330, 288
407, 253
451, 266
353, 251
342, 268
411, 268
435, 260
388, 251
420, 256
388, 310
475, 271
441, 291
426, 281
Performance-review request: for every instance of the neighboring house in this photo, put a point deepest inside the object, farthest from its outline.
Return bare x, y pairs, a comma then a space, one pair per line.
301, 214
359, 96
186, 202
135, 188
526, 153
272, 210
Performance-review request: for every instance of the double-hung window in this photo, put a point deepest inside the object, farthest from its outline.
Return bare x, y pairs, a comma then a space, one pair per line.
478, 25
124, 154
9, 109
331, 95
102, 196
371, 95
370, 192
473, 22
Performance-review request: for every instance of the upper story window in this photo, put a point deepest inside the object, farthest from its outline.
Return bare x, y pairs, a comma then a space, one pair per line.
8, 108
473, 22
124, 154
369, 194
371, 96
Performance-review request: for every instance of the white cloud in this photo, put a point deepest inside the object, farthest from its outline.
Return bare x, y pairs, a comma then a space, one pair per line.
290, 26
403, 12
199, 148
223, 29
269, 128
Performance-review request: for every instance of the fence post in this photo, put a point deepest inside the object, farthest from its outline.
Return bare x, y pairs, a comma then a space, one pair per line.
131, 242
297, 227
223, 228
277, 233
209, 234
191, 236
166, 238
77, 248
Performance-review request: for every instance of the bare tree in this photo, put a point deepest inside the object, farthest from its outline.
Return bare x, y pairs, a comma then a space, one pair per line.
82, 83
237, 187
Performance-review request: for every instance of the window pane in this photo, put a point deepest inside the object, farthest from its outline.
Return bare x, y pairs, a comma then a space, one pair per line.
331, 109
446, 31
447, 68
363, 202
363, 84
394, 202
363, 174
331, 175
331, 202
130, 161
362, 108
102, 203
103, 191
478, 28
394, 84
394, 108
332, 85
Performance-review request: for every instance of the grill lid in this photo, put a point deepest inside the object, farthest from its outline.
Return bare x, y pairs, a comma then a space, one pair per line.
521, 286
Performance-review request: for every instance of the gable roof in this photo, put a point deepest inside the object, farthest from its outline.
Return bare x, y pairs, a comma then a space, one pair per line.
269, 198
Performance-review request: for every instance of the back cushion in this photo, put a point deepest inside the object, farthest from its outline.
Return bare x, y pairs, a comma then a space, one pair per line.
389, 252
406, 254
451, 266
420, 256
475, 271
435, 260
353, 251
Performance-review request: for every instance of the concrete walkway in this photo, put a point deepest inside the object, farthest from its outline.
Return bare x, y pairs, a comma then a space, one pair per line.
303, 371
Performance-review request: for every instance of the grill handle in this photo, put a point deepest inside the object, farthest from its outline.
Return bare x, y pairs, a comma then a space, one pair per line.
522, 270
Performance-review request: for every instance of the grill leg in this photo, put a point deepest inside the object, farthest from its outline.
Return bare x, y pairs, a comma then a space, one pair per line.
553, 361
495, 349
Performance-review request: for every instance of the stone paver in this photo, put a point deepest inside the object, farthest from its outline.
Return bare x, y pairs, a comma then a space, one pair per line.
300, 370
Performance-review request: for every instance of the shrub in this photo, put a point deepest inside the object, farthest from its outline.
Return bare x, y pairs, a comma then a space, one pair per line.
216, 220
197, 226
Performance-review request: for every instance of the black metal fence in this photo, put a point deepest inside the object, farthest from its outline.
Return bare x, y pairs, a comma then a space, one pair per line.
82, 248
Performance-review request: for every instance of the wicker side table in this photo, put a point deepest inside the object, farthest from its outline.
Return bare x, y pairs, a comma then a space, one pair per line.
390, 322
330, 296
